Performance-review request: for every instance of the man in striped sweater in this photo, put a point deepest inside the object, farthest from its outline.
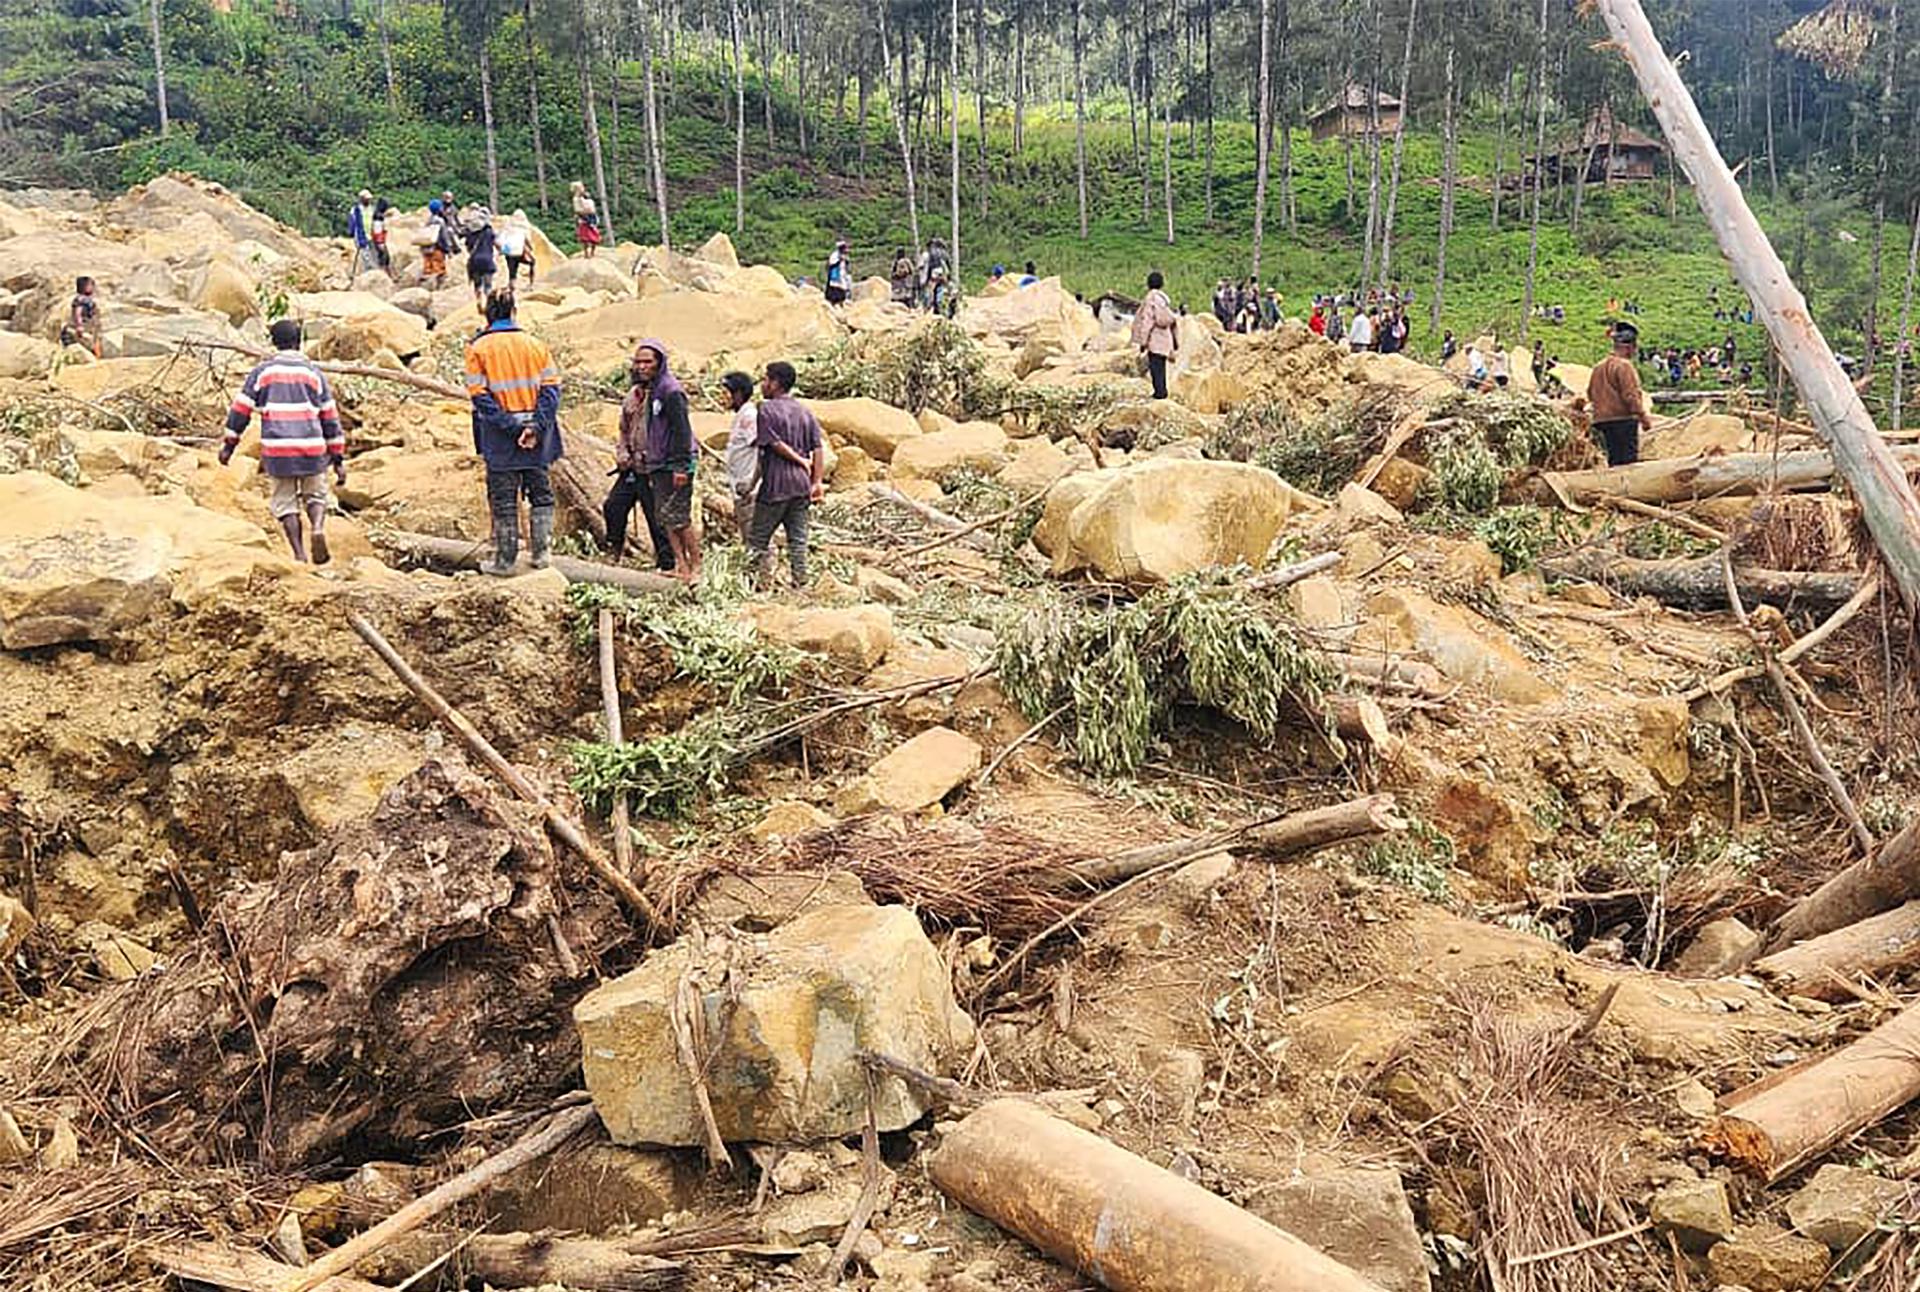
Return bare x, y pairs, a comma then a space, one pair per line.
515, 389
299, 436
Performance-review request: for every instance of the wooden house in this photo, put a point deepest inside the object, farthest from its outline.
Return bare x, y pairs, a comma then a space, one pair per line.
1610, 149
1347, 114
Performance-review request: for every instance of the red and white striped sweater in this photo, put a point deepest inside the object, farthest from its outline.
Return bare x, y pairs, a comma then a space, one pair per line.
299, 424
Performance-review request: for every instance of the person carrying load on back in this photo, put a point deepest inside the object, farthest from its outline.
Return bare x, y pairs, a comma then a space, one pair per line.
300, 436
515, 389
477, 228
902, 277
434, 239
515, 241
586, 220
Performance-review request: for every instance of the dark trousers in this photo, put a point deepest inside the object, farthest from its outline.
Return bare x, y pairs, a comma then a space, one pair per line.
1622, 440
1157, 370
790, 514
505, 488
630, 487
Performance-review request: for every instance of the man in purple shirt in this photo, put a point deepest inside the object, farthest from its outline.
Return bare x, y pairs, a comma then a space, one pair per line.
793, 468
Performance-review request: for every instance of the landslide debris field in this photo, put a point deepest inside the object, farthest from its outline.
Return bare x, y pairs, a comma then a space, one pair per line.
1325, 804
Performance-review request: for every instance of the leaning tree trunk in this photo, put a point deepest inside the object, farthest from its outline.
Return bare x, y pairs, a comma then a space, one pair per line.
533, 100
653, 130
486, 116
1539, 147
766, 73
740, 122
1399, 147
1881, 488
1080, 117
593, 144
1261, 141
899, 112
1146, 112
1449, 178
159, 66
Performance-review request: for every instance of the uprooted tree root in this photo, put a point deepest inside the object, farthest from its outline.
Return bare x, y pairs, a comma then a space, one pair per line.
415, 968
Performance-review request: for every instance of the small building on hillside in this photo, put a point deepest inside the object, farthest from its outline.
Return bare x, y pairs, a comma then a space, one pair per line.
1347, 114
1610, 149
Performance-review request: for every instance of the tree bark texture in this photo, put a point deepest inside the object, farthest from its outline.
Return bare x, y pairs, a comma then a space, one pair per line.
1863, 889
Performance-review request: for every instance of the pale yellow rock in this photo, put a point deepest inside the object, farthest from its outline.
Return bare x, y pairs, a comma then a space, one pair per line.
855, 637
1209, 390
1701, 433
75, 566
1163, 518
1043, 310
1316, 602
976, 446
1052, 534
15, 1148
852, 467
789, 819
915, 775
877, 428
1036, 464
698, 327
16, 922
877, 585
342, 773
25, 356
1356, 502
61, 1152
718, 250
115, 954
224, 288
932, 420
600, 274
802, 1003
361, 336
1471, 562
1461, 644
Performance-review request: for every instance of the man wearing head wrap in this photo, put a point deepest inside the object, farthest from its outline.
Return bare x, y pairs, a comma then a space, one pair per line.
653, 465
515, 389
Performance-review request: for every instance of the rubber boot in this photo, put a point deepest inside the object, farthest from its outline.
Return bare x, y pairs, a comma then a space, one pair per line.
290, 526
317, 524
506, 546
542, 538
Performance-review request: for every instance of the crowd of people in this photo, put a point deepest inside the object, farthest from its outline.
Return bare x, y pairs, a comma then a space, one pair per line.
449, 229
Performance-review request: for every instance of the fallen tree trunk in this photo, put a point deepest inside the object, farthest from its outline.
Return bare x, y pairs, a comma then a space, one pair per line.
1827, 966
1412, 675
1665, 480
1291, 835
1875, 472
459, 554
1116, 1217
527, 1260
242, 1271
1698, 584
1792, 1122
430, 385
1867, 887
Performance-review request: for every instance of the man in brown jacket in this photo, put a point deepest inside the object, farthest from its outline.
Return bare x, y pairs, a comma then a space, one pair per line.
1619, 407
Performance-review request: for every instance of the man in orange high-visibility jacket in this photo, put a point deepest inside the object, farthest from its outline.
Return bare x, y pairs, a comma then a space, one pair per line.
515, 389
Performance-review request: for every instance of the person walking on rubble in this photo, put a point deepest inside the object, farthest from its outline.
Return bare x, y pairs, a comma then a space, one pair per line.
654, 464
743, 454
1153, 332
515, 389
476, 228
793, 472
83, 316
1619, 405
300, 437
360, 226
586, 220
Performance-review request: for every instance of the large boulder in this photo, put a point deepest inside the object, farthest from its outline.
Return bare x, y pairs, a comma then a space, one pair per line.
700, 326
361, 336
599, 274
916, 775
25, 356
718, 250
1841, 1205
1044, 311
1461, 644
854, 637
977, 446
1168, 517
165, 204
878, 428
1035, 466
78, 566
786, 1017
222, 287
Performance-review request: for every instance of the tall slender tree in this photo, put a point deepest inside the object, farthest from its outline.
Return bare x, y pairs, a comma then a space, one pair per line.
1166, 138
1449, 176
1206, 20
654, 137
953, 83
897, 106
533, 98
980, 94
1906, 321
386, 53
159, 66
1262, 135
1399, 147
740, 118
591, 119
486, 116
1880, 178
1539, 179
1080, 115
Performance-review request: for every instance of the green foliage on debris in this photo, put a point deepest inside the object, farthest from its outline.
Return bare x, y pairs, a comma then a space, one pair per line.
1114, 669
1518, 535
31, 440
705, 635
1491, 435
1317, 452
666, 775
1417, 859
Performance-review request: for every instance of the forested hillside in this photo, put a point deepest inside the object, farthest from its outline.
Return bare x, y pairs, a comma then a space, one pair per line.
782, 121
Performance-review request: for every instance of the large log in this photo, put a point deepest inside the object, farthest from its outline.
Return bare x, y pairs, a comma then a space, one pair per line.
1698, 584
460, 554
1872, 470
520, 1260
1118, 1218
1289, 836
1794, 1120
1667, 480
1867, 887
1832, 965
